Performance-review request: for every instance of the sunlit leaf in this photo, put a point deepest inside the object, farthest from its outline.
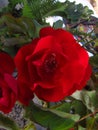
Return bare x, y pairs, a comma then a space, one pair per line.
81, 128
87, 97
30, 126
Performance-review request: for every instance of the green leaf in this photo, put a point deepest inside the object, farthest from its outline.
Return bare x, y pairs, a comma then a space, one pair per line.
38, 27
40, 8
48, 118
58, 24
14, 25
77, 108
64, 107
23, 25
89, 98
90, 123
7, 123
15, 41
81, 128
71, 11
74, 117
57, 12
27, 11
94, 98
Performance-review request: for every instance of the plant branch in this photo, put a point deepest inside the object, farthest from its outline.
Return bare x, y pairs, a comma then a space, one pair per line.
89, 115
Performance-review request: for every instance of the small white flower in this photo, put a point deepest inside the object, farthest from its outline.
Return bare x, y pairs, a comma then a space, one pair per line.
19, 6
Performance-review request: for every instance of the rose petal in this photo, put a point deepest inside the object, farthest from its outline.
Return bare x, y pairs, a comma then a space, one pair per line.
63, 36
24, 92
20, 60
50, 95
85, 77
6, 63
9, 93
46, 31
12, 84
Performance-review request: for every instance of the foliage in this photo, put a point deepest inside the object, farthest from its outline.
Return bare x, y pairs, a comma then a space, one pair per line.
69, 9
49, 119
6, 122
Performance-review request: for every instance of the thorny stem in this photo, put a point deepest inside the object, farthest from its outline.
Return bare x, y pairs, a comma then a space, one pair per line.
91, 114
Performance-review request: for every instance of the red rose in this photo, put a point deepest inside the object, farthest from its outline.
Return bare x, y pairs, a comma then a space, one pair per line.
72, 129
8, 86
53, 66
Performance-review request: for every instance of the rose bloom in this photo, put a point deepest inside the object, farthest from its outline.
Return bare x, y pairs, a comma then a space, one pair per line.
72, 129
53, 66
8, 85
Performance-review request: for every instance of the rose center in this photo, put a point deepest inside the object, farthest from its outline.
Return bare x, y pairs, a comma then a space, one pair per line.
0, 92
50, 63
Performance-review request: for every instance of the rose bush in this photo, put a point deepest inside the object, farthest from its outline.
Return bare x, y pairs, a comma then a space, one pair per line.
52, 66
8, 85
